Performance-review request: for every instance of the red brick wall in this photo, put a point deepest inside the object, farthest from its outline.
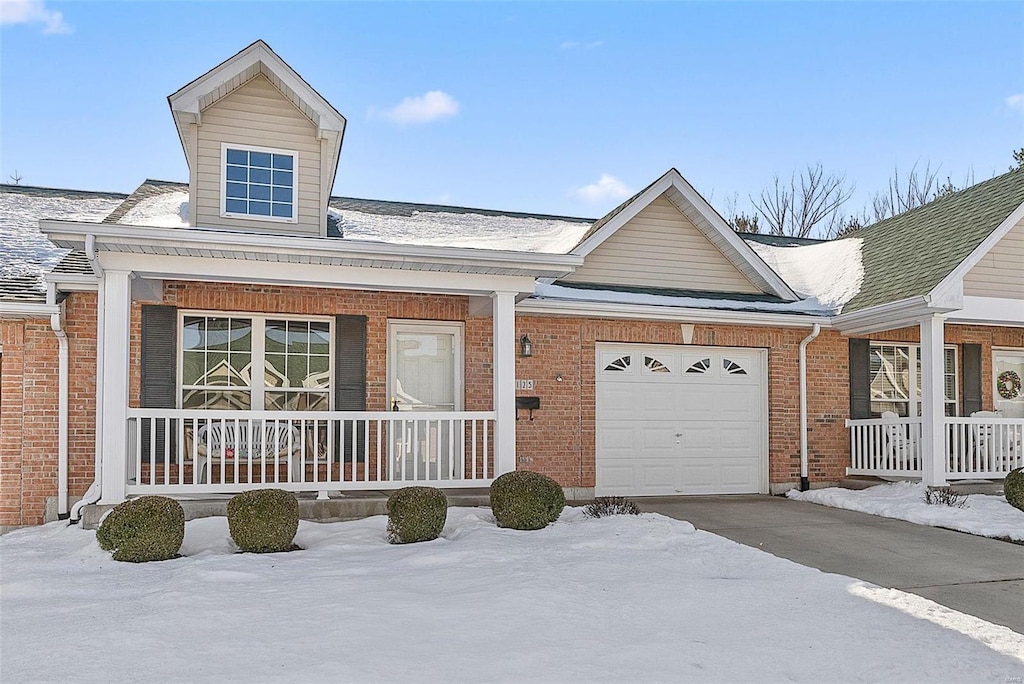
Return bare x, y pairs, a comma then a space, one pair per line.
28, 410
560, 440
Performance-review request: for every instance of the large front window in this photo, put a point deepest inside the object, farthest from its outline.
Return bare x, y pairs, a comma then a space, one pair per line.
259, 183
896, 379
255, 362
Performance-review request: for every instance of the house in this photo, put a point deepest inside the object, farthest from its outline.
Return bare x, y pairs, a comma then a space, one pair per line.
247, 328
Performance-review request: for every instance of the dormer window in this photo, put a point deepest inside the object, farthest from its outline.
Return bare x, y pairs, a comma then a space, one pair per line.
258, 182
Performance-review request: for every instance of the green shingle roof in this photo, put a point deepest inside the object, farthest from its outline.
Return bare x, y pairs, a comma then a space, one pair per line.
908, 255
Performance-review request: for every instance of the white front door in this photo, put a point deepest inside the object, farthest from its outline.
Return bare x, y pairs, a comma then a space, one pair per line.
681, 420
425, 374
1008, 376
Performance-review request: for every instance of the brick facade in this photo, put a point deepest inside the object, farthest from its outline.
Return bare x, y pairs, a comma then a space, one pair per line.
560, 441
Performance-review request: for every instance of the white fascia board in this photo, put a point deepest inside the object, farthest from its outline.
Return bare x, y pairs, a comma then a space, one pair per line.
553, 307
956, 276
770, 280
890, 316
627, 214
187, 98
215, 270
71, 234
27, 309
72, 282
999, 311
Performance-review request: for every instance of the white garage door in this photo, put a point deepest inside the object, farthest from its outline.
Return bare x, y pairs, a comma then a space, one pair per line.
681, 420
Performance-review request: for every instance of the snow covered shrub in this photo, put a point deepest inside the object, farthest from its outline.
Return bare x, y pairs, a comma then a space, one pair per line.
149, 528
416, 514
1013, 488
604, 506
263, 520
945, 496
524, 500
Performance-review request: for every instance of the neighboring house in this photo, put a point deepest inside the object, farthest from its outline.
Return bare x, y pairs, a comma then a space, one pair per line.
248, 328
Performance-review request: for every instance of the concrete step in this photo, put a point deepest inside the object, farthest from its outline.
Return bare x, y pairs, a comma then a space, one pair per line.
347, 506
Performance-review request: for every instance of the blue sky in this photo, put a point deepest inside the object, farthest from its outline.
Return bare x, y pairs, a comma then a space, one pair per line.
528, 106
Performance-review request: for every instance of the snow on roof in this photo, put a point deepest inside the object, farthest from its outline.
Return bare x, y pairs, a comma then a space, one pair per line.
169, 210
451, 229
465, 228
25, 250
830, 273
555, 291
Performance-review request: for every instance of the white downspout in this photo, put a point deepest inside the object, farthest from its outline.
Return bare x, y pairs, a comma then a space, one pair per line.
57, 324
94, 492
815, 331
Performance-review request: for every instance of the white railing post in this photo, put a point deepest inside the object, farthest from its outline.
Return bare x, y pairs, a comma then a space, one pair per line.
504, 369
933, 405
117, 320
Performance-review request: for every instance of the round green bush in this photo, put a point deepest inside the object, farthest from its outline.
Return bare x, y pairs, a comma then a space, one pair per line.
263, 520
1013, 488
149, 528
524, 500
416, 514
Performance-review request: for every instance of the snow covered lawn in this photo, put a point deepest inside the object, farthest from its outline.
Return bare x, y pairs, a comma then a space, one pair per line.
985, 515
635, 599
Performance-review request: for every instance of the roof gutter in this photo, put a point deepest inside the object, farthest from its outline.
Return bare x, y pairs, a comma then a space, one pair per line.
891, 315
305, 249
652, 312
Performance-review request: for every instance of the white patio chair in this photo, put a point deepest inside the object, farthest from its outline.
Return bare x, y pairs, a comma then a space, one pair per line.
898, 447
221, 442
1000, 448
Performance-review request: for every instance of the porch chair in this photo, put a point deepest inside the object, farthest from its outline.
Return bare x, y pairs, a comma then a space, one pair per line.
270, 439
898, 448
996, 444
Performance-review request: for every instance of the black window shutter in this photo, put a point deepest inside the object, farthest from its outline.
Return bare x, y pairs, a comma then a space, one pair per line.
860, 379
159, 376
350, 376
971, 354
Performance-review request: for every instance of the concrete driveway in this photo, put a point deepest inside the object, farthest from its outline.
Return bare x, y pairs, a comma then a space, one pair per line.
974, 575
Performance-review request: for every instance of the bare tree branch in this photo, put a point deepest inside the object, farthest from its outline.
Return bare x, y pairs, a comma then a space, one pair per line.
808, 203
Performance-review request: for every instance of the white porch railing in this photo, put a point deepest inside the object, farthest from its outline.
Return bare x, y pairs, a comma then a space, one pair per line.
173, 451
977, 447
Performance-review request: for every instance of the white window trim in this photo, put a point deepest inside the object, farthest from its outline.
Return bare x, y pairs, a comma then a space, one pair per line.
914, 403
224, 183
457, 328
258, 350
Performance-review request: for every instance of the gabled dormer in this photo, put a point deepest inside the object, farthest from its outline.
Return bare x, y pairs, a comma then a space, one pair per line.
262, 146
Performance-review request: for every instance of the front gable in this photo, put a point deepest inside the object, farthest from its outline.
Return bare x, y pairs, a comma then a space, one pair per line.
661, 247
1000, 273
668, 236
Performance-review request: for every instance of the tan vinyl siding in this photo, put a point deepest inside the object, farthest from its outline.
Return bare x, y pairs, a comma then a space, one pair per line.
660, 247
1000, 273
256, 114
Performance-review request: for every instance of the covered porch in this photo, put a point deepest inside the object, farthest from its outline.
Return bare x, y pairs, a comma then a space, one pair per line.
183, 411
948, 408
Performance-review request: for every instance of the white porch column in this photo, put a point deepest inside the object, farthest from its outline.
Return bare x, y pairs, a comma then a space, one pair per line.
117, 300
933, 406
504, 370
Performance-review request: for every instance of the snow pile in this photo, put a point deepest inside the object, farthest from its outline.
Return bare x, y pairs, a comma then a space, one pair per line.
630, 598
25, 250
984, 515
169, 210
450, 229
830, 272
552, 291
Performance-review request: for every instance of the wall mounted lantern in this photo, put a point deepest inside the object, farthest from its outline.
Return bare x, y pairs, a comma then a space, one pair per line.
525, 346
